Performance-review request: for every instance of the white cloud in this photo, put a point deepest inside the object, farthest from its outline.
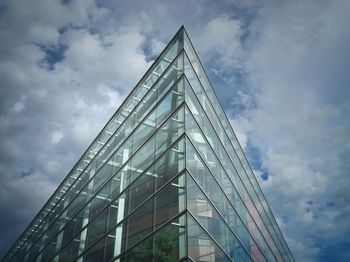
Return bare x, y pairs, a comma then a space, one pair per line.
220, 39
39, 22
295, 122
18, 106
156, 46
241, 135
64, 100
114, 58
294, 59
57, 136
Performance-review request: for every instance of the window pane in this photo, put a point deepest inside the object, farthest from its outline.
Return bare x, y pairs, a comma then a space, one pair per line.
201, 247
109, 251
141, 252
170, 164
140, 223
170, 201
96, 252
169, 242
97, 227
166, 245
141, 160
140, 190
209, 218
170, 102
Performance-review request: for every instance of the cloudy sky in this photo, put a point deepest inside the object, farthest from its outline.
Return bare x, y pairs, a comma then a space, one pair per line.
280, 68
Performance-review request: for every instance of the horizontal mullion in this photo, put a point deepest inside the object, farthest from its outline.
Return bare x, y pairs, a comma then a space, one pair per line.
189, 258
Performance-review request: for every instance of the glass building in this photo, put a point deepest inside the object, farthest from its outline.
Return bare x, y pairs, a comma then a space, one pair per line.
165, 180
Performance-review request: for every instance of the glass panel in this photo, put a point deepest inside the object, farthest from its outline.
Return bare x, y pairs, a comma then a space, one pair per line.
102, 175
96, 252
170, 131
68, 232
210, 219
141, 189
69, 252
139, 224
172, 127
142, 252
159, 173
171, 163
210, 149
109, 250
170, 201
170, 102
201, 247
166, 245
50, 249
97, 227
97, 204
141, 160
170, 241
113, 213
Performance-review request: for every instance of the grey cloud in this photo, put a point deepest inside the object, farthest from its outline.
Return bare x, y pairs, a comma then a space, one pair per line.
221, 37
50, 113
299, 120
37, 21
288, 75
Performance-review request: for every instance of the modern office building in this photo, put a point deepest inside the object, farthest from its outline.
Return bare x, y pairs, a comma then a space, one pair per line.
165, 180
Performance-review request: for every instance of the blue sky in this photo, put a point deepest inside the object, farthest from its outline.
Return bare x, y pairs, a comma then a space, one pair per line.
280, 68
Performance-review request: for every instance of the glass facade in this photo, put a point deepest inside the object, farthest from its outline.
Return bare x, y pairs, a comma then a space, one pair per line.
165, 180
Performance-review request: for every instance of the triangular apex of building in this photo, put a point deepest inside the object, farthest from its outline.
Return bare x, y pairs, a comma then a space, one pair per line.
165, 180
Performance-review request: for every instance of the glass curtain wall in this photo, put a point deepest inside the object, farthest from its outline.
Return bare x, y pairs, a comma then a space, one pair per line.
165, 180
200, 130
234, 149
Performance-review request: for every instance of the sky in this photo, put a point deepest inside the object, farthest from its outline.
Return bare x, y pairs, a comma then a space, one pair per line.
280, 68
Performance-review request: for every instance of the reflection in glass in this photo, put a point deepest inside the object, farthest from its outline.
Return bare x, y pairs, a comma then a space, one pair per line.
201, 247
213, 223
168, 244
